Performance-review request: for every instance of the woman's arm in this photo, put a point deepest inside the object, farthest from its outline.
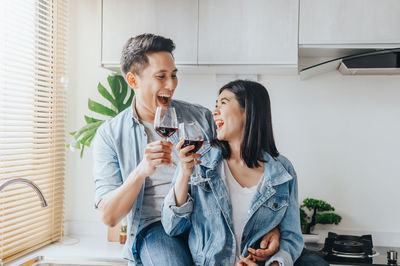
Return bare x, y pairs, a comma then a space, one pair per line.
178, 204
291, 240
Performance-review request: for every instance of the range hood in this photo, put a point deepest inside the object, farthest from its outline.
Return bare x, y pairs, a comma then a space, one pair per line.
367, 62
374, 63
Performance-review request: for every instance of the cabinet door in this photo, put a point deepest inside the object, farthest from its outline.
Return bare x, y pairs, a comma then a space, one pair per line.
349, 21
175, 19
248, 32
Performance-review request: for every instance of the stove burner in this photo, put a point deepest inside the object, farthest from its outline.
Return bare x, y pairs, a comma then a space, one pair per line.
348, 245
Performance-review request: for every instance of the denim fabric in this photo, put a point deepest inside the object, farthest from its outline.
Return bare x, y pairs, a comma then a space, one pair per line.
208, 214
118, 148
156, 248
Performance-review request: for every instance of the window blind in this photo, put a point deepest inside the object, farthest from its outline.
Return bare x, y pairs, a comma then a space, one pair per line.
32, 122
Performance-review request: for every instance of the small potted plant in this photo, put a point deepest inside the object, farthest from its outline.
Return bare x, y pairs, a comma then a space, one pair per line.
313, 212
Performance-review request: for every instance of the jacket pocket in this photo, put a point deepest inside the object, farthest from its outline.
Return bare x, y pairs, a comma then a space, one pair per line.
277, 202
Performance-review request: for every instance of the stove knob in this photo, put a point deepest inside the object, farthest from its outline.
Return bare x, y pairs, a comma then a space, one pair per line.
392, 257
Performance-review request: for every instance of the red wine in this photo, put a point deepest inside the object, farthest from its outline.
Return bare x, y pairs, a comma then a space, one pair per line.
197, 144
163, 99
165, 131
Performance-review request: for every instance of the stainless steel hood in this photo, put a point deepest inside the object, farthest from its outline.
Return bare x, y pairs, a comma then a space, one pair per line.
363, 62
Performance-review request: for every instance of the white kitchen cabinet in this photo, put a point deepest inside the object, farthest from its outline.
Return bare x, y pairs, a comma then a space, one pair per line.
349, 22
248, 32
211, 36
122, 19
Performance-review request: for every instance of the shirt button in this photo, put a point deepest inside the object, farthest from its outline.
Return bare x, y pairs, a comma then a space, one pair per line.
132, 234
275, 205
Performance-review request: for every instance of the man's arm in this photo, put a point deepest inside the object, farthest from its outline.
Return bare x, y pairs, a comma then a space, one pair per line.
114, 198
269, 245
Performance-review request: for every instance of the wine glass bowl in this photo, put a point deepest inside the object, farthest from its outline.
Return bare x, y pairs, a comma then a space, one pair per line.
192, 134
165, 121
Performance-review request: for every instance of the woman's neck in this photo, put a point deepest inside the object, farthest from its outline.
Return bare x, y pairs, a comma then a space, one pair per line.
234, 147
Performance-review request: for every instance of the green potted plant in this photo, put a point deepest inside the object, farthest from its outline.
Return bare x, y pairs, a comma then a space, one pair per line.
313, 212
119, 98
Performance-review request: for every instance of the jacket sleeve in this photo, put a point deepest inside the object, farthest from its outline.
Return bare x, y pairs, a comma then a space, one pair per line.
106, 171
174, 219
291, 239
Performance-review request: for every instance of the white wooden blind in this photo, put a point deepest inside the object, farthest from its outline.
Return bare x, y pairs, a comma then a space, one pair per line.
32, 122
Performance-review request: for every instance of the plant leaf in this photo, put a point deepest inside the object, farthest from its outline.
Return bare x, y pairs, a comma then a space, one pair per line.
129, 102
124, 91
104, 92
87, 127
114, 85
101, 109
91, 120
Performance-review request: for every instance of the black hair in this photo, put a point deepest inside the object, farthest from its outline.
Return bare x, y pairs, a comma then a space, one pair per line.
257, 132
134, 54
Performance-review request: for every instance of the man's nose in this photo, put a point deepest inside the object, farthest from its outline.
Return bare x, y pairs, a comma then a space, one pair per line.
216, 112
170, 84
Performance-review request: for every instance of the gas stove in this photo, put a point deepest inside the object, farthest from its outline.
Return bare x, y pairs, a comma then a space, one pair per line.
355, 250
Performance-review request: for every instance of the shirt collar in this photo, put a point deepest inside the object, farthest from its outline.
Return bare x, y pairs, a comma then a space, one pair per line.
134, 115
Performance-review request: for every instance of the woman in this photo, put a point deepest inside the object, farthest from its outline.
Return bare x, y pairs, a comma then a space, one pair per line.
251, 188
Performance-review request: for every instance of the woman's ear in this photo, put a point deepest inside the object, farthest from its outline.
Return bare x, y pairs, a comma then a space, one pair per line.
130, 77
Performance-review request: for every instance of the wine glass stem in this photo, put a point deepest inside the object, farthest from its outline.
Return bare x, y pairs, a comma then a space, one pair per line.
197, 171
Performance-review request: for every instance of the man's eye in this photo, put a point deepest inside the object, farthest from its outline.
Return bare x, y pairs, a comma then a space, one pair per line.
173, 76
160, 77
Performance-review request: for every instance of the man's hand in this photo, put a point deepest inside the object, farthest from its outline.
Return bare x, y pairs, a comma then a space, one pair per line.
155, 153
269, 245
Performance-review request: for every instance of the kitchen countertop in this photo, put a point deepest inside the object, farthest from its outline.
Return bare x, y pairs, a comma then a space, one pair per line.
73, 248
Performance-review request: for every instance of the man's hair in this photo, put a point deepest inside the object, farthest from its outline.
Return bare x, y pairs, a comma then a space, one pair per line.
257, 132
134, 54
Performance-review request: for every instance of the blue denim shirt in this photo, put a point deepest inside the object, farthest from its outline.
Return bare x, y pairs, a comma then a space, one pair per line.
118, 149
208, 213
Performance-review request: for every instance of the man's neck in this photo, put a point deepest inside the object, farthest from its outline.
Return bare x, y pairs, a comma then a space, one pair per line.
144, 113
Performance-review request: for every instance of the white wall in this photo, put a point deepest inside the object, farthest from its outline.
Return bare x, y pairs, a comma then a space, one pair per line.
342, 133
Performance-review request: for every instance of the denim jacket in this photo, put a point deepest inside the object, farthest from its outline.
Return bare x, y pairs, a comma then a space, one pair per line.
118, 149
207, 214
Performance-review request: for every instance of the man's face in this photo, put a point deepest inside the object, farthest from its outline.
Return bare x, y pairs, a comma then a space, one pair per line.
156, 84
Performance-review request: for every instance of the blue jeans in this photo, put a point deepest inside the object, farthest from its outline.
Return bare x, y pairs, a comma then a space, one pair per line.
310, 258
157, 248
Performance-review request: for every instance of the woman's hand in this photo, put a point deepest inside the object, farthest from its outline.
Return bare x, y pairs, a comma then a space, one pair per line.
187, 159
269, 245
249, 260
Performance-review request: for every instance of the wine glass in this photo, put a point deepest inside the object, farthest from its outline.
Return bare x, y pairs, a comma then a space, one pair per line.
192, 134
165, 122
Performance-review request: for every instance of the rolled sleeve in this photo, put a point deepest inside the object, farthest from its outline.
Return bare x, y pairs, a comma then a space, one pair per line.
176, 219
106, 170
282, 257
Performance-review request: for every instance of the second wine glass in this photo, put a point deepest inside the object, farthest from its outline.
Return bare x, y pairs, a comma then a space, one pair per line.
192, 134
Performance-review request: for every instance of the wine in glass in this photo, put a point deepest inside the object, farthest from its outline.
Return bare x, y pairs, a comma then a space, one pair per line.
192, 134
165, 122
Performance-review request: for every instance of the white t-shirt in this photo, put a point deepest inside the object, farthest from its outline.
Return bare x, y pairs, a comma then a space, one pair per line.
240, 199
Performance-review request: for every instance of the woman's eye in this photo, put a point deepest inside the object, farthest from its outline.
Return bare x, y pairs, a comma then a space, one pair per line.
173, 76
160, 77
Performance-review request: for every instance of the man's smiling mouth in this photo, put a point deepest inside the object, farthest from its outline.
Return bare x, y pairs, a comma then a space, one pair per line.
164, 98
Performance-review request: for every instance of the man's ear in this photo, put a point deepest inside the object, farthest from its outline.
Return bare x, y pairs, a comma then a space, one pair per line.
130, 77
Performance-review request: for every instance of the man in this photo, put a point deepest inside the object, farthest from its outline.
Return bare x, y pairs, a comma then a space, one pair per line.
133, 166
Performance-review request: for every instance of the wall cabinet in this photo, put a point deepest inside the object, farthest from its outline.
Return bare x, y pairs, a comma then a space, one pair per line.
248, 32
349, 22
122, 19
207, 33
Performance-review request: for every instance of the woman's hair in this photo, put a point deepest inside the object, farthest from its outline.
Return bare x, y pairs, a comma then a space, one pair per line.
257, 132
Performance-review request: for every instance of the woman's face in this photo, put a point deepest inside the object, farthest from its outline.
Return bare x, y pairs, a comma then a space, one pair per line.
229, 117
